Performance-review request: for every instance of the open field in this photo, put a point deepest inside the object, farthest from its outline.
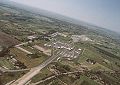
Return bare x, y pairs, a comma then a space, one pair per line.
7, 40
21, 56
6, 63
99, 58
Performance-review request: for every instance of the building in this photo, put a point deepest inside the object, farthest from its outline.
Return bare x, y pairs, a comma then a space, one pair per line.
77, 38
60, 34
31, 37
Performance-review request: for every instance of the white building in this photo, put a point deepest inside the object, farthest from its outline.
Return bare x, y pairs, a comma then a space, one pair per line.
57, 33
77, 38
31, 37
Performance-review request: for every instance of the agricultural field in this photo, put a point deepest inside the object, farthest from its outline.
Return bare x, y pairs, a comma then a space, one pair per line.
26, 36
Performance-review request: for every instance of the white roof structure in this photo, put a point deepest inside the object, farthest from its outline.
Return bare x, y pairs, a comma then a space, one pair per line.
77, 38
31, 37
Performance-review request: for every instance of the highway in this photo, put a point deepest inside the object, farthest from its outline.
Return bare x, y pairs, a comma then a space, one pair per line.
34, 71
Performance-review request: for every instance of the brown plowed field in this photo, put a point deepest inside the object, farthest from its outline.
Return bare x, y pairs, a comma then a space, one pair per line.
7, 40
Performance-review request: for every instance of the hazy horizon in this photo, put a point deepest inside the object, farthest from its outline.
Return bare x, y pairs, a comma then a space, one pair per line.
104, 13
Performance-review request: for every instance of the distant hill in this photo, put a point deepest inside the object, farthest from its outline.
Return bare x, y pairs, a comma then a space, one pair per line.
97, 29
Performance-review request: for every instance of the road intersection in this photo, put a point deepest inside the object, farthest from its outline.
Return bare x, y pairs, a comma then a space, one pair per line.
34, 71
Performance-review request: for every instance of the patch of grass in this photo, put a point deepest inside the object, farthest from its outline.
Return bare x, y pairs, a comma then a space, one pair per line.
42, 75
21, 56
67, 79
6, 63
85, 81
7, 77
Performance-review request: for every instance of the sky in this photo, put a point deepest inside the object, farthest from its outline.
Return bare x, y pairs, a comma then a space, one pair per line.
104, 13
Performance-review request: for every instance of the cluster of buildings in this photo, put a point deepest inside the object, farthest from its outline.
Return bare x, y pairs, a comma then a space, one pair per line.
72, 54
77, 38
13, 61
58, 33
59, 45
16, 63
70, 51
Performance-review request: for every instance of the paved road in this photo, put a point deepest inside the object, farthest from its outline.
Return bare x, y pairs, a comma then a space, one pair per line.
6, 70
45, 51
24, 50
10, 82
24, 43
34, 71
